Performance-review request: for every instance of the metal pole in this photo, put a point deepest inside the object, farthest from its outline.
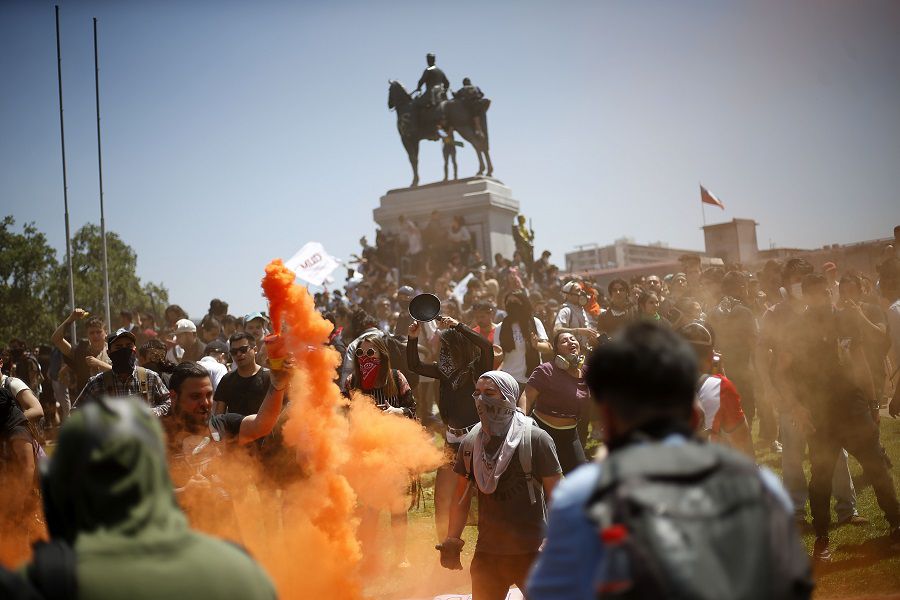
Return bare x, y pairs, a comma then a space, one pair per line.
702, 205
100, 172
62, 138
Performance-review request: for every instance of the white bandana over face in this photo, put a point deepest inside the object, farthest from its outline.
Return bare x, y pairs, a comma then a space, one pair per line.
499, 418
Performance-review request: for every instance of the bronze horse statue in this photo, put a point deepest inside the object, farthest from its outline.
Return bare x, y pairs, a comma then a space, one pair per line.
455, 117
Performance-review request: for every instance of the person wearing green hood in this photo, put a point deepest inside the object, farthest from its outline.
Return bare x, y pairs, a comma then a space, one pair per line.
116, 530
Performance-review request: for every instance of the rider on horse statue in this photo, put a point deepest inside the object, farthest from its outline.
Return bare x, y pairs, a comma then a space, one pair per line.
473, 99
429, 104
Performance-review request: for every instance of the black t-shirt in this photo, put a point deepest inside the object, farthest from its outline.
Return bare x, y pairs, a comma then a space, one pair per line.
613, 319
507, 521
243, 395
823, 352
11, 416
736, 332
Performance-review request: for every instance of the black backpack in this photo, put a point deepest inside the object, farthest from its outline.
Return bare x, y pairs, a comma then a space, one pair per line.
699, 523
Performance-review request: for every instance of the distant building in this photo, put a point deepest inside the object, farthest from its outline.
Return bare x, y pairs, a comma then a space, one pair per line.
859, 257
621, 254
726, 243
734, 242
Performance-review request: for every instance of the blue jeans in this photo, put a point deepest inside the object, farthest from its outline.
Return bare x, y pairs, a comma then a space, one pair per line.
793, 452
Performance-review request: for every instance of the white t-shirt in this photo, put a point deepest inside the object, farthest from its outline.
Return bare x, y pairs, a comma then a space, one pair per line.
514, 360
216, 370
462, 235
16, 385
414, 237
893, 325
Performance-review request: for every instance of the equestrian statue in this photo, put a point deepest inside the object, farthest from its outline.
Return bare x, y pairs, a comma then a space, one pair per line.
430, 115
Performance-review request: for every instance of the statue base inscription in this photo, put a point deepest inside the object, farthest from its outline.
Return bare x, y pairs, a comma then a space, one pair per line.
486, 205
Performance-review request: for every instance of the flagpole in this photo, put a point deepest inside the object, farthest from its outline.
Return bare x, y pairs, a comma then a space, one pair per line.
702, 205
62, 139
100, 173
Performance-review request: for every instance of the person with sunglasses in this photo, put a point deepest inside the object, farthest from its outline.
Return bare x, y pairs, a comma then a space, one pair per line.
374, 376
242, 391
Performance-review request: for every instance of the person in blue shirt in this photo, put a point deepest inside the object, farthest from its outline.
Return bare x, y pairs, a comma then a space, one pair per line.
644, 383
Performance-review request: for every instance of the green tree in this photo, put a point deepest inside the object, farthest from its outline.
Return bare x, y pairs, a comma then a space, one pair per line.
126, 292
34, 285
29, 306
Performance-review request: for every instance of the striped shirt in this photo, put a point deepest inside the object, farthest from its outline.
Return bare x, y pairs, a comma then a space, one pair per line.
110, 384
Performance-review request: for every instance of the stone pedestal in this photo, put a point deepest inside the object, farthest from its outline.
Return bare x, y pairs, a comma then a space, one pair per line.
486, 205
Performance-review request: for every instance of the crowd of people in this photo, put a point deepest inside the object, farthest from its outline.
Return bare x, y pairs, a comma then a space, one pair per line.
525, 376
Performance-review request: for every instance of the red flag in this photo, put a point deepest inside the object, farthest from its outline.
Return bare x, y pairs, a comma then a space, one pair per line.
707, 198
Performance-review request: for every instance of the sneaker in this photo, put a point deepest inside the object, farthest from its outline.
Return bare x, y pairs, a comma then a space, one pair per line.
821, 551
854, 520
776, 447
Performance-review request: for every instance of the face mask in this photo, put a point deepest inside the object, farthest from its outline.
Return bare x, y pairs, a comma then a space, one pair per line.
582, 300
495, 414
567, 362
368, 370
797, 291
123, 360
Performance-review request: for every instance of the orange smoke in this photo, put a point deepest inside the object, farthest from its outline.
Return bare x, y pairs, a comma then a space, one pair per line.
306, 534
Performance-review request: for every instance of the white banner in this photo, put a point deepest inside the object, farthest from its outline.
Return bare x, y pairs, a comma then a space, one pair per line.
513, 594
459, 292
312, 263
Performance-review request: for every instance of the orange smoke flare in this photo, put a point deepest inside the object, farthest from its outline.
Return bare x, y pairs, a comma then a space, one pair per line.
363, 456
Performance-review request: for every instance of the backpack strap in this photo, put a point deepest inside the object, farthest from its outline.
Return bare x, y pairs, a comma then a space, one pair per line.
468, 447
142, 378
525, 459
52, 570
108, 379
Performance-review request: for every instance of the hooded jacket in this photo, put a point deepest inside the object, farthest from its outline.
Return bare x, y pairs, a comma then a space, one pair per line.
107, 493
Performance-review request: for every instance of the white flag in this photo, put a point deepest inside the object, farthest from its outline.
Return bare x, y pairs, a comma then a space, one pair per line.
312, 264
459, 292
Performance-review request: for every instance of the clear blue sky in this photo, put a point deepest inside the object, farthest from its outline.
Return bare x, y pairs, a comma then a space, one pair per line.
234, 132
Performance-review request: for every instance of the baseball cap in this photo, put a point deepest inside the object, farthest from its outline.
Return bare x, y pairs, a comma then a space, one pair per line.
122, 332
185, 326
829, 266
255, 315
217, 346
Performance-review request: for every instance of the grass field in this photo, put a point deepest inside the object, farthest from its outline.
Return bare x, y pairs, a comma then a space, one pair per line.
864, 566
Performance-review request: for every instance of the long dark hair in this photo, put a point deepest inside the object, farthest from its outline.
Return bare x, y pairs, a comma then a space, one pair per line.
465, 354
518, 310
386, 376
